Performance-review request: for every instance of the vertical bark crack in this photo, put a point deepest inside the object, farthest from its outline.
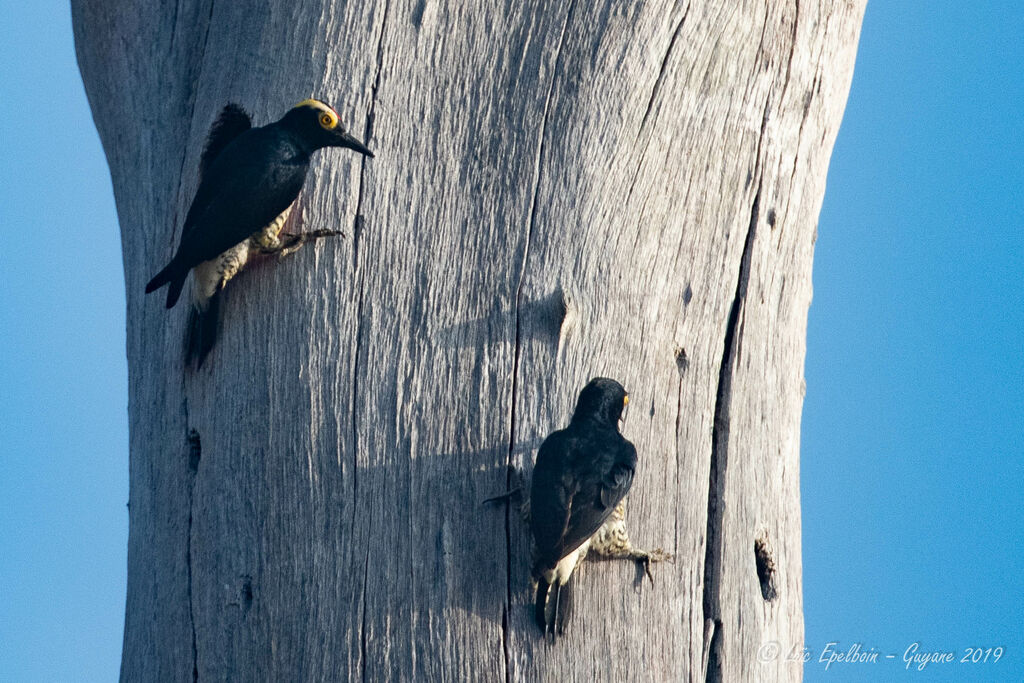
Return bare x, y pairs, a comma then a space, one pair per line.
357, 231
650, 102
764, 564
504, 643
508, 560
720, 447
195, 455
720, 429
792, 49
174, 25
661, 71
518, 324
191, 602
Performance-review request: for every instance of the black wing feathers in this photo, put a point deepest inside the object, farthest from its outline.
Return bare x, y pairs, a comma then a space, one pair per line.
551, 495
601, 491
577, 482
169, 272
232, 122
249, 177
616, 485
248, 197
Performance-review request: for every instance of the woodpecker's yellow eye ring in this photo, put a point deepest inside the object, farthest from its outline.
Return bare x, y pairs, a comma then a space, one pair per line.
328, 121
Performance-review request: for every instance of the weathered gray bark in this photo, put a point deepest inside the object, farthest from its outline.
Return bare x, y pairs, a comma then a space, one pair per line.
561, 190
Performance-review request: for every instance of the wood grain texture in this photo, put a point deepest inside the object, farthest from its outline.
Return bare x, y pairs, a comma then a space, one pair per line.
561, 190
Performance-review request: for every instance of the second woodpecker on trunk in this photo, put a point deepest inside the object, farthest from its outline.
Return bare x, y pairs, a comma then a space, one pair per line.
577, 499
249, 181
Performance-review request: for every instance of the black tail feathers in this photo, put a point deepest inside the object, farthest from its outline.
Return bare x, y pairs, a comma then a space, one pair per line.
171, 274
174, 291
553, 606
540, 606
203, 326
161, 278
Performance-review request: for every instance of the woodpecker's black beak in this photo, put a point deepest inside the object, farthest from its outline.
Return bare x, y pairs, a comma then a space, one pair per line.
346, 140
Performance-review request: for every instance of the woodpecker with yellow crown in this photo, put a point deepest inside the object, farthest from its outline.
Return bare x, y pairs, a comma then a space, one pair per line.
249, 181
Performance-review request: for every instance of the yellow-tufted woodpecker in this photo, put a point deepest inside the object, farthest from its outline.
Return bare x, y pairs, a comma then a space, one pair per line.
249, 180
580, 481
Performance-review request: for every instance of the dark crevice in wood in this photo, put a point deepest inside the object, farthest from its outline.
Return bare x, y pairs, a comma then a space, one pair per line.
537, 173
195, 450
713, 654
806, 110
720, 429
191, 603
679, 455
650, 102
518, 331
504, 642
561, 308
508, 550
760, 43
417, 13
682, 362
765, 565
803, 119
661, 71
792, 51
174, 25
194, 455
358, 227
357, 231
372, 109
247, 592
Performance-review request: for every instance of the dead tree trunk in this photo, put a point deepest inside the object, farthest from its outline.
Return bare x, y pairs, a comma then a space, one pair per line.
561, 190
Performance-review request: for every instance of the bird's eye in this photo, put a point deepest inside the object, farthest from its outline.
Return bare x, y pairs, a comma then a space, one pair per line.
326, 120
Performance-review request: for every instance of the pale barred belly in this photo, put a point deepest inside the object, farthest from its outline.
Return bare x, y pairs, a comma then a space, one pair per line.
209, 277
612, 538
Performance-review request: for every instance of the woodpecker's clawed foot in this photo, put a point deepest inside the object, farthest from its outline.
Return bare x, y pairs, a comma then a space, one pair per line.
644, 558
291, 243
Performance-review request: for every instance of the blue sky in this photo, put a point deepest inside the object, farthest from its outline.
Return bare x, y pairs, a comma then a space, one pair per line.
63, 392
914, 416
913, 425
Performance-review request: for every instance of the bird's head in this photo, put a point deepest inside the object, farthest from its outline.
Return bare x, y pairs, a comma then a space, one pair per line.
603, 400
319, 126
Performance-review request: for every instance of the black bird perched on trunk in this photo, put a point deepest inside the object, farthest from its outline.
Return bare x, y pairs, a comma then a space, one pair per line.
249, 180
580, 481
